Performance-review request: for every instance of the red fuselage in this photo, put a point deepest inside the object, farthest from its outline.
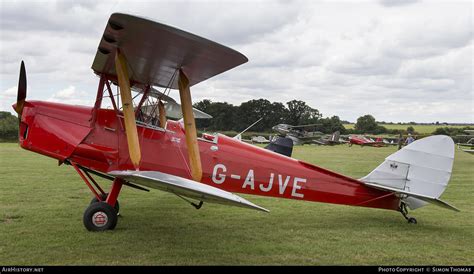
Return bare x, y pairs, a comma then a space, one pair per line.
363, 141
95, 139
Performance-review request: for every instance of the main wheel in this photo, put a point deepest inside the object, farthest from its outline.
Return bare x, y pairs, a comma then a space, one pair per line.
100, 216
412, 221
104, 197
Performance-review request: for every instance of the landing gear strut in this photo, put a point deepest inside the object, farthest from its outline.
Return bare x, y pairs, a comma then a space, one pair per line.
104, 198
102, 212
403, 209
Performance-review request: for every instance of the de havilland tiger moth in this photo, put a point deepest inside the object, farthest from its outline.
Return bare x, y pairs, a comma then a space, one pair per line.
134, 144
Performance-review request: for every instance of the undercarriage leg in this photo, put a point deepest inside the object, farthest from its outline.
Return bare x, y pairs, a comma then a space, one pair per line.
114, 192
403, 209
102, 214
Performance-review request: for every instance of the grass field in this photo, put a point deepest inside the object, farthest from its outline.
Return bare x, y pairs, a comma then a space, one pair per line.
41, 207
422, 129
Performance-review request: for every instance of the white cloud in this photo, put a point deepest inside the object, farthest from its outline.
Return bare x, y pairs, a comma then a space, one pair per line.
7, 99
71, 96
398, 60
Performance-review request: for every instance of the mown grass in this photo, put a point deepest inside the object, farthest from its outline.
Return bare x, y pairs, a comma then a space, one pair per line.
41, 207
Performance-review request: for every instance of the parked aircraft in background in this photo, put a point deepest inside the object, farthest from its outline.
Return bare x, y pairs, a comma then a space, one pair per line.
330, 140
298, 134
239, 136
366, 141
469, 145
259, 140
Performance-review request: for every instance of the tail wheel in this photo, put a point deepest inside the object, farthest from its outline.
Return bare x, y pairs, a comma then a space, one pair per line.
104, 197
100, 216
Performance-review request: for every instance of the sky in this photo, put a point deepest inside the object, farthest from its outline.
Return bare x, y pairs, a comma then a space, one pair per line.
399, 60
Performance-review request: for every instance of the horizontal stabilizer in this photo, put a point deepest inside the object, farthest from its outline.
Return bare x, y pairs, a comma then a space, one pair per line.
424, 198
184, 187
420, 172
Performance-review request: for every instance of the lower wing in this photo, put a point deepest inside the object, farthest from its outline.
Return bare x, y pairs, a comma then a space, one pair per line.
184, 187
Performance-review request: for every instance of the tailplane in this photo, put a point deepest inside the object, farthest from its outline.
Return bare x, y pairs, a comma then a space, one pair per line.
419, 173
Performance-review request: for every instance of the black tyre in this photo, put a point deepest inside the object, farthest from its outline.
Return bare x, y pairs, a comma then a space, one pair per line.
412, 221
104, 197
100, 216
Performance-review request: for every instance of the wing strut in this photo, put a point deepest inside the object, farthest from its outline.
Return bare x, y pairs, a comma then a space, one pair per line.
127, 106
190, 127
162, 113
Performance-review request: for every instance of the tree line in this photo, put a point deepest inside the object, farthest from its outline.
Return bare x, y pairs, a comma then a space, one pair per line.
228, 117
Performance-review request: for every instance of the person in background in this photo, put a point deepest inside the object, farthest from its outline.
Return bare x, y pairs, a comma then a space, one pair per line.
409, 139
400, 141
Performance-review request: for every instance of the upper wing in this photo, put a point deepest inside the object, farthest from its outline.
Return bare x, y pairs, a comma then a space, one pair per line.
185, 187
155, 51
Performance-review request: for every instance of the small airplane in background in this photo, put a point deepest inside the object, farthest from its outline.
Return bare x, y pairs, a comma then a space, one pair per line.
330, 140
469, 145
366, 141
388, 141
259, 140
128, 146
254, 139
298, 134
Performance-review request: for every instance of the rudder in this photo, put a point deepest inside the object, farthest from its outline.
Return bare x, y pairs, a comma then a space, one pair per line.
419, 172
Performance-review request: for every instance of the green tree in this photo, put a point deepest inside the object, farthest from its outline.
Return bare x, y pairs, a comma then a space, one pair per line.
223, 115
366, 124
300, 114
8, 126
251, 111
330, 125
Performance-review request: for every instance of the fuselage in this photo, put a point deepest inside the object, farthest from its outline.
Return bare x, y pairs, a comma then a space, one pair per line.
95, 139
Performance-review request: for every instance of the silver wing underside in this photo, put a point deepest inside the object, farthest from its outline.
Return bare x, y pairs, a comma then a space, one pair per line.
184, 187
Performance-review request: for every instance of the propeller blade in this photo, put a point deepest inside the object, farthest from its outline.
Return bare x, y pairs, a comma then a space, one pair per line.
21, 95
127, 107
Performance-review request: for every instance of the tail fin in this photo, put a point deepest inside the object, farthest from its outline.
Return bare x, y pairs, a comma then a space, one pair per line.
419, 172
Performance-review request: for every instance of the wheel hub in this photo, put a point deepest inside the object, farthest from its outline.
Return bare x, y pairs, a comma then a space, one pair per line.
100, 219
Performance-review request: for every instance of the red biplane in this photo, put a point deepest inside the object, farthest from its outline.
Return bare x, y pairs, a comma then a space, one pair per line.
133, 144
365, 141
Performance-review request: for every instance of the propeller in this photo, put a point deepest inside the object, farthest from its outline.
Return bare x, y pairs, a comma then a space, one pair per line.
21, 94
127, 106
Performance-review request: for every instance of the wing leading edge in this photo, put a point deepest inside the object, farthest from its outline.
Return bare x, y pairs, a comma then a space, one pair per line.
185, 187
155, 51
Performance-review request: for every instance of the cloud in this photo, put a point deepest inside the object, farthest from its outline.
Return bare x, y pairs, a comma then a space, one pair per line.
396, 3
8, 98
398, 60
71, 96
